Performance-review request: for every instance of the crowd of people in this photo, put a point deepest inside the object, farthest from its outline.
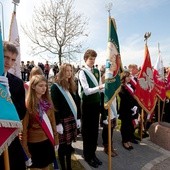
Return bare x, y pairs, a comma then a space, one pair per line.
26, 69
52, 118
47, 69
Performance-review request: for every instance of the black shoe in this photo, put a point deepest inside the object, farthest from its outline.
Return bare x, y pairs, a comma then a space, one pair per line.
134, 141
92, 163
97, 160
128, 148
72, 150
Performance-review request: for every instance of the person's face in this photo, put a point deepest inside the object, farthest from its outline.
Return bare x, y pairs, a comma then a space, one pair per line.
68, 72
40, 88
127, 79
90, 61
9, 60
134, 71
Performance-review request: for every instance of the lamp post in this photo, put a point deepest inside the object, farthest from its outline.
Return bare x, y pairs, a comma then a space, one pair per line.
2, 20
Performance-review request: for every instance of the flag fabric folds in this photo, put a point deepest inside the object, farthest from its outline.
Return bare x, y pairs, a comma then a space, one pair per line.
113, 65
10, 124
14, 38
145, 92
167, 84
159, 78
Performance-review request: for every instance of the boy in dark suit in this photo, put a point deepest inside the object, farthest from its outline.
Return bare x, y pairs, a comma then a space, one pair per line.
90, 86
16, 89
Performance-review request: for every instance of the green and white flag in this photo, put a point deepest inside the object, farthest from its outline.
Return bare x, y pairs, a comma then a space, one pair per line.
113, 65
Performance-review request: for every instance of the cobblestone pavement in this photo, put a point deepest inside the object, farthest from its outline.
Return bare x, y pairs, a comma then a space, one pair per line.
144, 156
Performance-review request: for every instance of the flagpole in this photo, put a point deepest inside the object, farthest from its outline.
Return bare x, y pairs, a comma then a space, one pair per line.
109, 140
159, 49
141, 130
108, 8
146, 36
2, 20
6, 159
14, 38
158, 111
159, 118
5, 153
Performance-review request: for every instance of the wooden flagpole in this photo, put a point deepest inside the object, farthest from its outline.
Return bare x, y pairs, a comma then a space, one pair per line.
146, 36
141, 130
158, 110
108, 8
109, 140
6, 159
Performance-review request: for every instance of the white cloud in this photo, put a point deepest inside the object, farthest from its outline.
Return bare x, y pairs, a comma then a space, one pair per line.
125, 13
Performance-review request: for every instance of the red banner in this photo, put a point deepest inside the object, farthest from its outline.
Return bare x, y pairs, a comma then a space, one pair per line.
145, 92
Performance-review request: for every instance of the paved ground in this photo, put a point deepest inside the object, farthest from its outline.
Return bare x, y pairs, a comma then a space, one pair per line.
144, 156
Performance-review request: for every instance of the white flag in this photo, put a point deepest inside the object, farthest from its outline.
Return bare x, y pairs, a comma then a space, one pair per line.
14, 38
159, 78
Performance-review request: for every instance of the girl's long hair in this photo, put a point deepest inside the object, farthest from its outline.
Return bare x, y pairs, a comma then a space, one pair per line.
36, 70
125, 74
69, 85
31, 98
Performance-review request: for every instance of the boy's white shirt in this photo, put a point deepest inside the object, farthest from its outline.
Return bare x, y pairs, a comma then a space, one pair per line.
85, 85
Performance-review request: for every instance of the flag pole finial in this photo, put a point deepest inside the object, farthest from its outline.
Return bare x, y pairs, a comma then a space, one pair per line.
146, 36
109, 7
15, 2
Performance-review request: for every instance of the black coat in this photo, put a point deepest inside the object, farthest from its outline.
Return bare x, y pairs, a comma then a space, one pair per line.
62, 108
17, 91
127, 102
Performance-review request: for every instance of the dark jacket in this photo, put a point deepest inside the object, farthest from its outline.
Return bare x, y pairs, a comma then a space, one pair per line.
62, 108
127, 102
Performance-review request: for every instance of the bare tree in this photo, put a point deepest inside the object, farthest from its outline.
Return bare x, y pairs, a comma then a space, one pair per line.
57, 28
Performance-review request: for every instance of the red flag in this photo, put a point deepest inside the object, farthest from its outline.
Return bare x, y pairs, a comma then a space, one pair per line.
159, 78
167, 84
145, 92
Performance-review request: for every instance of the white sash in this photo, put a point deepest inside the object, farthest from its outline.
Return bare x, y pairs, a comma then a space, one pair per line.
47, 121
69, 100
92, 77
129, 88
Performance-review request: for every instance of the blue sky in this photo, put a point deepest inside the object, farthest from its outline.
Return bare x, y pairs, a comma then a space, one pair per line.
133, 19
